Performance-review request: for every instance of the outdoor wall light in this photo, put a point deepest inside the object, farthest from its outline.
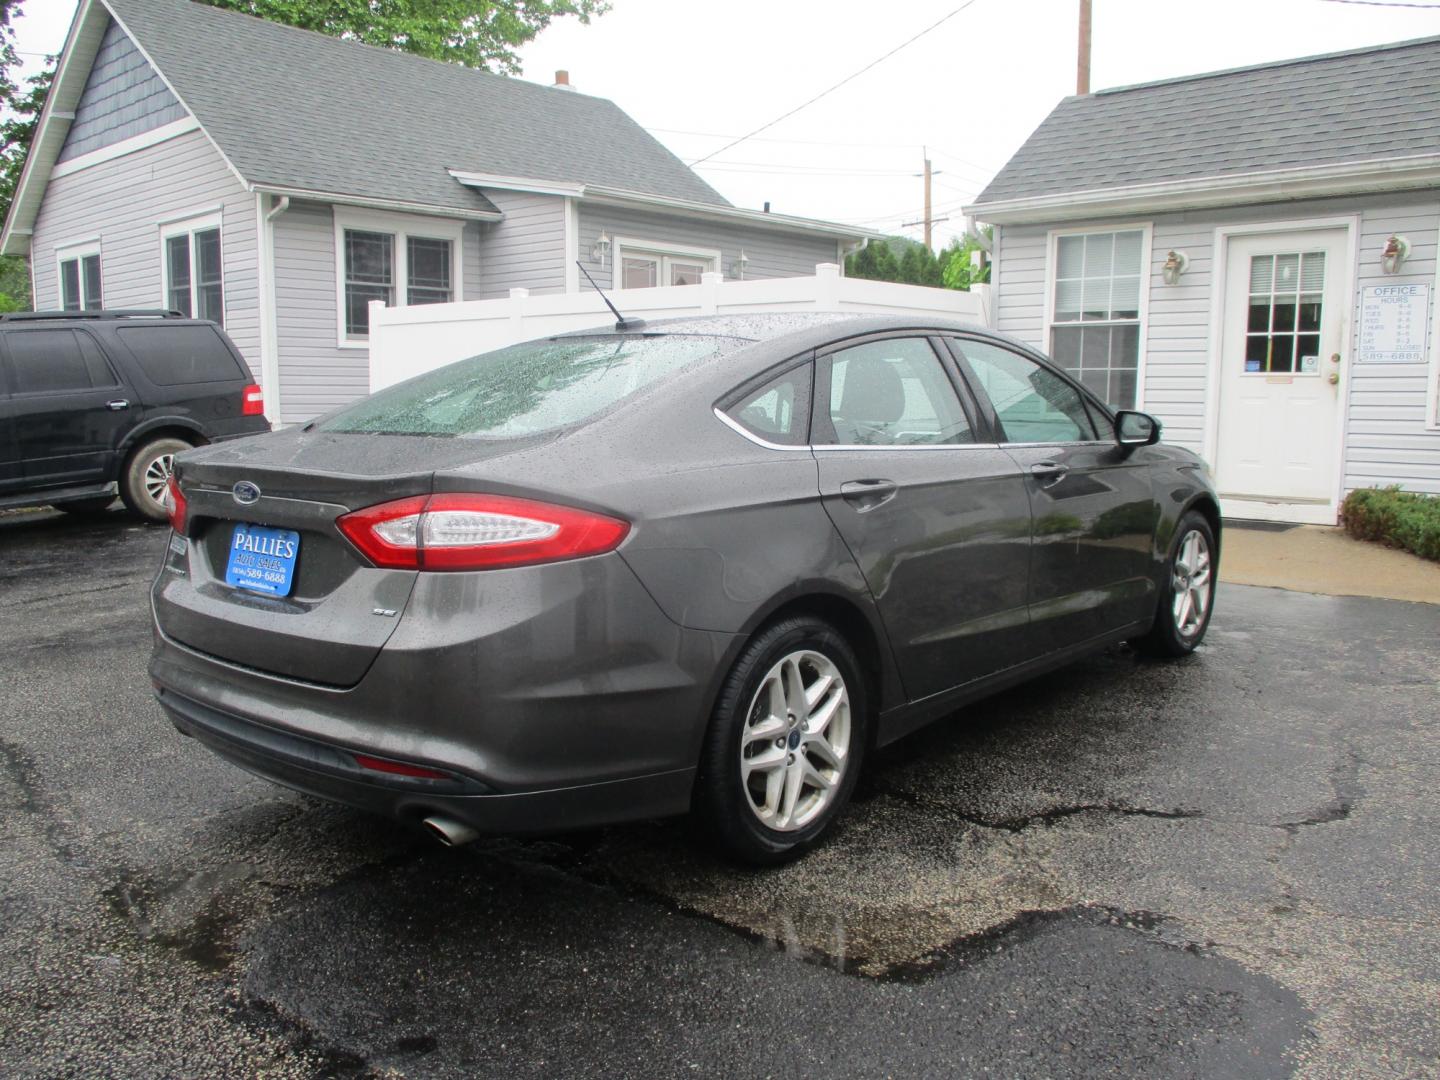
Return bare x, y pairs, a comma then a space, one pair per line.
601, 248
1176, 263
737, 268
1397, 250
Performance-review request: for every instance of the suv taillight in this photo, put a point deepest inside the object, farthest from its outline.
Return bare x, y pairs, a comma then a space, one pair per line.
477, 532
252, 401
175, 498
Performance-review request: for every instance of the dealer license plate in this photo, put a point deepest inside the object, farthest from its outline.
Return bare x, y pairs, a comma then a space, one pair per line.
262, 559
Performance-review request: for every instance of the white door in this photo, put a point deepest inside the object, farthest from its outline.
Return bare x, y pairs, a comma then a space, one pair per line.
1282, 375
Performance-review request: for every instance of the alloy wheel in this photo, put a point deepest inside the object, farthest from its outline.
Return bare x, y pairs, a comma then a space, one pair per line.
1192, 584
796, 742
157, 479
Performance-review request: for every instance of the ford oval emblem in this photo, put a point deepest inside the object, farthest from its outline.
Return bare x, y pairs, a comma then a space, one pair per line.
245, 493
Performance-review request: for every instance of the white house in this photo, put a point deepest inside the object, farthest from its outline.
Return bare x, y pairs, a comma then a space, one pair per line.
1251, 256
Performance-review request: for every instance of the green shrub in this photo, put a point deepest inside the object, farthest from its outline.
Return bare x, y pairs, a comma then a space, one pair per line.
1403, 519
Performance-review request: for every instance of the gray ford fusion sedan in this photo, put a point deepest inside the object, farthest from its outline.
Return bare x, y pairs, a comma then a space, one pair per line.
705, 564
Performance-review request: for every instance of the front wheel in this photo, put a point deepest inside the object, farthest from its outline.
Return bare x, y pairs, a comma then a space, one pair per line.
143, 483
785, 742
1187, 596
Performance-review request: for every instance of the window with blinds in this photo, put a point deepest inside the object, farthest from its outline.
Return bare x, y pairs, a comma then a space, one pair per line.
1095, 318
1282, 333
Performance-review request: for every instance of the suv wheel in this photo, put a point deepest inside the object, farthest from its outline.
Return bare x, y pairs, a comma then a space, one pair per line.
143, 481
785, 742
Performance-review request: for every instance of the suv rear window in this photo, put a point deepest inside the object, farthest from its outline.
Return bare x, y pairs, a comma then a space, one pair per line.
525, 389
178, 355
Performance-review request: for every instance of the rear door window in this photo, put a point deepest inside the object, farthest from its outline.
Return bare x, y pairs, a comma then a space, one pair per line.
181, 355
779, 411
55, 361
893, 393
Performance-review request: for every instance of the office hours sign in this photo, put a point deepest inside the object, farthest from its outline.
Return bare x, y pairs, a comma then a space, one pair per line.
1394, 324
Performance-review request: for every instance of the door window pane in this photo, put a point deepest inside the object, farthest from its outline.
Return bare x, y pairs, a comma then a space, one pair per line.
1283, 321
209, 284
1033, 404
369, 275
894, 393
428, 269
47, 361
177, 261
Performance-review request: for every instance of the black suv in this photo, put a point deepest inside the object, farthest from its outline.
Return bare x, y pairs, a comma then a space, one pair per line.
92, 400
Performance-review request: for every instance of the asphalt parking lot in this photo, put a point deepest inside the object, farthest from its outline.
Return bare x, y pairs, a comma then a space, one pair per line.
1225, 867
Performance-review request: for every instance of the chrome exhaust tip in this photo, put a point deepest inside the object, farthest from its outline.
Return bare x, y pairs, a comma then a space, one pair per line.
448, 831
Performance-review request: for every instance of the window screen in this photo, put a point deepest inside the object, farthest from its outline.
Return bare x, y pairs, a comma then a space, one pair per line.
55, 361
894, 393
428, 268
177, 355
1033, 404
778, 412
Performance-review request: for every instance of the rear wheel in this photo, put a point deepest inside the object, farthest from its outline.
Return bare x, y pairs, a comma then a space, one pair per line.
785, 742
146, 474
1188, 594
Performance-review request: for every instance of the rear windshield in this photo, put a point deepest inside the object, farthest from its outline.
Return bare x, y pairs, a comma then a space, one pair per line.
179, 355
525, 389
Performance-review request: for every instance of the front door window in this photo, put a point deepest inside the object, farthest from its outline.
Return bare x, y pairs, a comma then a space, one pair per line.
1286, 303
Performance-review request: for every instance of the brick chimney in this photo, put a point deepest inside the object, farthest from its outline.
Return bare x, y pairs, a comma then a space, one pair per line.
562, 80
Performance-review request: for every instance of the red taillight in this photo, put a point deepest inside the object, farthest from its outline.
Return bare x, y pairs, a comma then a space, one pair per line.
252, 401
176, 500
400, 768
477, 532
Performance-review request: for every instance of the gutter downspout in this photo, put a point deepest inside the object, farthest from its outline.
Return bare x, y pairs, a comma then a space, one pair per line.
269, 333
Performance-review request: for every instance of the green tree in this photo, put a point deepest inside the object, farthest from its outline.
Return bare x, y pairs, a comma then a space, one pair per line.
476, 33
20, 104
958, 265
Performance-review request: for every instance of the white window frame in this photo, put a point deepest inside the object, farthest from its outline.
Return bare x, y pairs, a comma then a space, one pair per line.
189, 226
1052, 261
625, 245
77, 250
401, 227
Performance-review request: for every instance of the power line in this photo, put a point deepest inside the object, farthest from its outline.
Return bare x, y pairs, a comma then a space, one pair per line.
848, 78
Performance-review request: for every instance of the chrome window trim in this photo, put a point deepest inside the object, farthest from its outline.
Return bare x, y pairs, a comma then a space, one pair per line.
735, 425
740, 429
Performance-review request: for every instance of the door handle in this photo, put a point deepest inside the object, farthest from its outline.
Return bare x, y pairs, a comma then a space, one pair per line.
1049, 473
867, 494
118, 405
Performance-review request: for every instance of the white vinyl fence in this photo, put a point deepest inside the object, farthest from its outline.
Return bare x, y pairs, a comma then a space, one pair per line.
407, 341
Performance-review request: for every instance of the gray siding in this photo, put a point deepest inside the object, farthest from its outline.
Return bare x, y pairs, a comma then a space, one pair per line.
771, 254
1387, 440
122, 204
123, 97
527, 249
316, 373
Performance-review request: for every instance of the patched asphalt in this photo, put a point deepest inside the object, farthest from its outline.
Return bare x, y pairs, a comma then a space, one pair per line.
1223, 867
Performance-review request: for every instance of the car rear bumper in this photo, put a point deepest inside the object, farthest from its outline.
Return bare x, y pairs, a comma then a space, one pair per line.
331, 772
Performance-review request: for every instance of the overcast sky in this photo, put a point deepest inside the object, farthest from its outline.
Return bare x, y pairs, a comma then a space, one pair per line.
695, 72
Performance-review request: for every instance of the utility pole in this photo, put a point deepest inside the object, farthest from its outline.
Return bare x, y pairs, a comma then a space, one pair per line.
928, 221
1082, 65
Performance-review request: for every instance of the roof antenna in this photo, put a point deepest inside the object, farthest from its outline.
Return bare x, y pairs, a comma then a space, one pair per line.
621, 322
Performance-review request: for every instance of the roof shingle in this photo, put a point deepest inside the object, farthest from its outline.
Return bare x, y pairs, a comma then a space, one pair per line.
1366, 104
294, 108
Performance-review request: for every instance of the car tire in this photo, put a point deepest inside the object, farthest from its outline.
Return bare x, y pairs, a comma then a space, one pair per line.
85, 507
1187, 595
765, 813
142, 481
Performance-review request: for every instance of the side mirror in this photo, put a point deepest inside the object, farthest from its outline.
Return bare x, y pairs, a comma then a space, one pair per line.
1136, 428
